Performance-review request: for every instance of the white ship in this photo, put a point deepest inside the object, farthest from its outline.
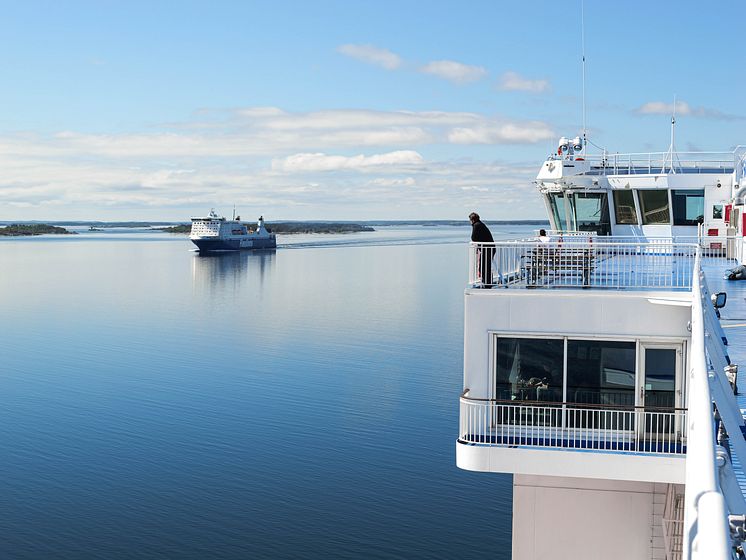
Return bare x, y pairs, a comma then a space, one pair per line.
216, 233
597, 370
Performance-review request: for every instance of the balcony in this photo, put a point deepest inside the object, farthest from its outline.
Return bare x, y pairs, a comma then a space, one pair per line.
570, 426
587, 261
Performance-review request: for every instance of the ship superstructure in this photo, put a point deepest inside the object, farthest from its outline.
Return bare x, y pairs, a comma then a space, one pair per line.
596, 369
216, 233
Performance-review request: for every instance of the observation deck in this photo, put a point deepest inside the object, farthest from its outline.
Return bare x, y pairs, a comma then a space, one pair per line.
610, 321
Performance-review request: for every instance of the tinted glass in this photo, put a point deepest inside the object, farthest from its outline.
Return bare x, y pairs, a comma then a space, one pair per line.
717, 212
591, 212
624, 206
557, 204
529, 369
601, 373
660, 377
654, 206
688, 207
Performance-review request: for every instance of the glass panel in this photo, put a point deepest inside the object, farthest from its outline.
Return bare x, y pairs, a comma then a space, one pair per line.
601, 373
529, 369
592, 212
557, 204
660, 377
654, 206
688, 207
717, 212
624, 206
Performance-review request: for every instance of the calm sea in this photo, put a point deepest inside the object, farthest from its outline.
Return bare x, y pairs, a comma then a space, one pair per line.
301, 403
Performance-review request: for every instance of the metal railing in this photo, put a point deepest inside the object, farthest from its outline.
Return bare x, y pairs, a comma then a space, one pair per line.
663, 162
572, 426
705, 512
596, 262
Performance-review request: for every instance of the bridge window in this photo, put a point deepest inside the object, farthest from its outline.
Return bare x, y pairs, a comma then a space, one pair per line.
654, 206
557, 204
601, 372
529, 369
591, 212
624, 206
688, 207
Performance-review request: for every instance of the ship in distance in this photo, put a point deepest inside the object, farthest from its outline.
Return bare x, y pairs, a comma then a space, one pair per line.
214, 233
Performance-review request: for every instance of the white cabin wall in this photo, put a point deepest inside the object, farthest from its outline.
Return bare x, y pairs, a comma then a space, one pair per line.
576, 313
587, 519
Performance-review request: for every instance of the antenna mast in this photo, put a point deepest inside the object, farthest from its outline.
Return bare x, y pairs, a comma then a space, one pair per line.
582, 43
672, 148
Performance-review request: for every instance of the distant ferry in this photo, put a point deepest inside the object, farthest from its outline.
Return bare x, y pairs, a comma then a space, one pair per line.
216, 233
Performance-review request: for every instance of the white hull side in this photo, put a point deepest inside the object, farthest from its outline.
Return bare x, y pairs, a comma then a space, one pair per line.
582, 519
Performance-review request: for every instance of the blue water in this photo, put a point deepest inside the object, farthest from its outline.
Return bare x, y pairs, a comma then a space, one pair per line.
303, 403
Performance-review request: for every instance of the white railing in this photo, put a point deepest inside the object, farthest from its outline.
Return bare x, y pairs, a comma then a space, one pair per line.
577, 262
706, 526
570, 426
583, 260
661, 162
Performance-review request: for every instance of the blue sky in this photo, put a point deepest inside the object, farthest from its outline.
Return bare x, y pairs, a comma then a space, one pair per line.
342, 110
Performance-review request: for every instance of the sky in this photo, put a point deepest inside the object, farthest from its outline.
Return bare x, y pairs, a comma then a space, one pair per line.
344, 110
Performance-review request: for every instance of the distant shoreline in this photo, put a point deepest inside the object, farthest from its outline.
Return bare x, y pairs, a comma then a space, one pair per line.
371, 223
26, 230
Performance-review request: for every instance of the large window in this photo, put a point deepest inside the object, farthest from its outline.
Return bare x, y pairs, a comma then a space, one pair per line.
557, 204
591, 212
624, 207
601, 373
688, 207
529, 369
654, 207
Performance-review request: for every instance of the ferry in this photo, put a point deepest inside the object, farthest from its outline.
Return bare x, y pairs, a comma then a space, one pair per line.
601, 361
216, 233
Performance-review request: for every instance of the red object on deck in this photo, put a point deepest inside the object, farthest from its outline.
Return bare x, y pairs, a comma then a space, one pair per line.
712, 232
728, 208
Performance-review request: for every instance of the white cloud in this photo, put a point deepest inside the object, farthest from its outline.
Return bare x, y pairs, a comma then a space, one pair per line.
289, 165
372, 55
324, 162
507, 133
663, 108
683, 108
512, 81
454, 71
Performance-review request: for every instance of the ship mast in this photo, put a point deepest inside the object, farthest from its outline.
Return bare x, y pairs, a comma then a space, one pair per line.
671, 154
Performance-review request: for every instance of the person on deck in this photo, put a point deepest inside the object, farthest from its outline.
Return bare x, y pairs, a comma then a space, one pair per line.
480, 233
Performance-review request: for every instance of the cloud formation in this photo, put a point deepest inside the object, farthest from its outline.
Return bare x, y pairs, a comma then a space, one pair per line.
372, 55
454, 71
512, 81
683, 108
324, 162
320, 164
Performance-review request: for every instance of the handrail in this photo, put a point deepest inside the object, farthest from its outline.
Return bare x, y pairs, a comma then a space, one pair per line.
706, 529
568, 403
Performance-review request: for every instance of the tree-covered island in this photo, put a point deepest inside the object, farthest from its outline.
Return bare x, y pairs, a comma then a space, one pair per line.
292, 227
19, 230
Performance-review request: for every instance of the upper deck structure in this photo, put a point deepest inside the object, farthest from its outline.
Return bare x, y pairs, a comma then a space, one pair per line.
596, 370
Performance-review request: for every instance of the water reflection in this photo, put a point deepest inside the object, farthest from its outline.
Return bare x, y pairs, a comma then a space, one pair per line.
222, 272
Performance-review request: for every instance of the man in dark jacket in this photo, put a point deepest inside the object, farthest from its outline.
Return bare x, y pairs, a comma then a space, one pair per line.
480, 233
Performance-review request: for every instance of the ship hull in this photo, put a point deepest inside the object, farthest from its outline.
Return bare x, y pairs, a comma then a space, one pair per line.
221, 245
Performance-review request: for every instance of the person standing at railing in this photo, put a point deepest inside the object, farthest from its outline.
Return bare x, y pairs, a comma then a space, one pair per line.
480, 233
543, 237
